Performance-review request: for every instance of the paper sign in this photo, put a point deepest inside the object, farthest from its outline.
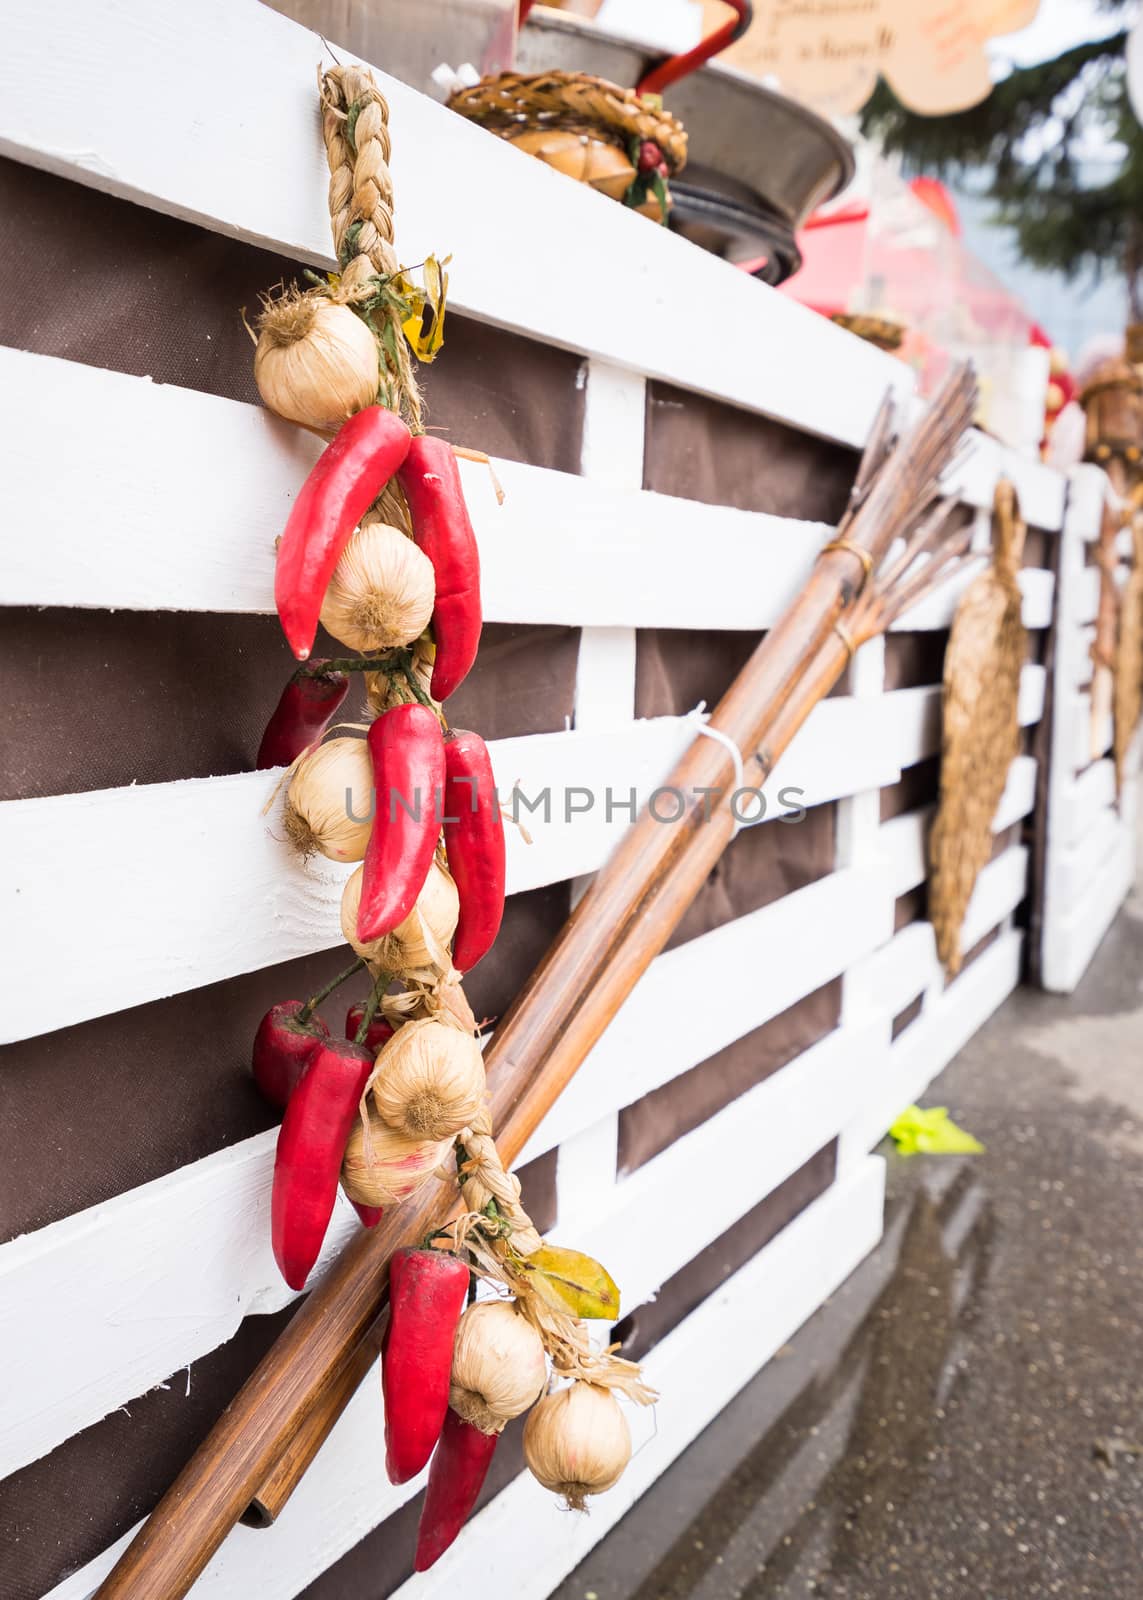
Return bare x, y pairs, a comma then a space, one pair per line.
829, 53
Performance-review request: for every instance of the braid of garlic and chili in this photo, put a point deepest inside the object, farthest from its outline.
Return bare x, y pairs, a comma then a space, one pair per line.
379, 549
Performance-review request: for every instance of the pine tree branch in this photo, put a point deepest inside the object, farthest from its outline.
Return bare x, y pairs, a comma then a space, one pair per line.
987, 133
1029, 136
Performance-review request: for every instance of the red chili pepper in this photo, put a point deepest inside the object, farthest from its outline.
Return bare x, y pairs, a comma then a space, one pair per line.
301, 716
474, 843
343, 483
650, 156
282, 1047
427, 1292
408, 782
460, 1465
311, 1143
441, 526
379, 1029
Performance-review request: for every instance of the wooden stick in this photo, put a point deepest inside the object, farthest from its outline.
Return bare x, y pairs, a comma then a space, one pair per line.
288, 1405
290, 1467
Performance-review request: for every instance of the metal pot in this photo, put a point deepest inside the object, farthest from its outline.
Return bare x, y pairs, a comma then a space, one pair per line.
759, 163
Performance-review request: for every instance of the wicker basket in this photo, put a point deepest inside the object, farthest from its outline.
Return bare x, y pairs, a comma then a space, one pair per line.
884, 332
624, 145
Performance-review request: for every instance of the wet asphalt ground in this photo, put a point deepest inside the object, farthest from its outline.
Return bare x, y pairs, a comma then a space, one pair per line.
964, 1419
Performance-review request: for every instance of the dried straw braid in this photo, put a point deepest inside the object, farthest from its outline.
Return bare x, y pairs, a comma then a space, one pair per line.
1129, 655
355, 126
981, 731
510, 102
483, 1179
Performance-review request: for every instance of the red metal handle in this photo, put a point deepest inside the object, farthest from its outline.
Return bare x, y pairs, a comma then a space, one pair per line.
676, 67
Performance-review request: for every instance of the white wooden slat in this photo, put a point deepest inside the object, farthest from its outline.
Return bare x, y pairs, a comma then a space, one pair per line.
759, 964
1089, 492
902, 840
1086, 604
1041, 489
194, 1244
1092, 794
1085, 743
612, 452
613, 554
886, 981
156, 1277
916, 715
752, 1145
181, 884
1079, 928
344, 1494
925, 1048
937, 609
216, 875
1089, 858
157, 65
1083, 864
857, 819
999, 890
892, 977
211, 546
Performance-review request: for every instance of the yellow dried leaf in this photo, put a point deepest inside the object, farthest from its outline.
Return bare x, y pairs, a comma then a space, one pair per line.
570, 1281
931, 1132
424, 327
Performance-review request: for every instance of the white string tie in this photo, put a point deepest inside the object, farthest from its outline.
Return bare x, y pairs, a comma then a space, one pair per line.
699, 719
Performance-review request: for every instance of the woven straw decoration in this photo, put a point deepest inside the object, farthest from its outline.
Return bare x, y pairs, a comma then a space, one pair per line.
1129, 654
981, 731
512, 101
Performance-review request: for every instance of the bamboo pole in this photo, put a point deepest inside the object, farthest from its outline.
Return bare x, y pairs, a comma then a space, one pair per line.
269, 1433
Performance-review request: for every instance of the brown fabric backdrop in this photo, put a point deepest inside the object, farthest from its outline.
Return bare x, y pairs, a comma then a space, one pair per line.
702, 450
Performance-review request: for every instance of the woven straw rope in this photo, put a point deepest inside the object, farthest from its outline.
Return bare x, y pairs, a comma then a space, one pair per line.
483, 1178
513, 101
355, 126
981, 728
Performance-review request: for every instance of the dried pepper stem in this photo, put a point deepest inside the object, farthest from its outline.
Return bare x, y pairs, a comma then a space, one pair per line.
314, 1001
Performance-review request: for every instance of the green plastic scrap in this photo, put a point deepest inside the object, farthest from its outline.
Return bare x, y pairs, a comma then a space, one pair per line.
932, 1133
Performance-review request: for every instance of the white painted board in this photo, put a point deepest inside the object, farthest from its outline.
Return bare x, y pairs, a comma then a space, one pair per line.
526, 243
198, 860
562, 549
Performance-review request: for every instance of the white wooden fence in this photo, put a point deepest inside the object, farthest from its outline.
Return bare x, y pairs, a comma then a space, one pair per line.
207, 112
1091, 843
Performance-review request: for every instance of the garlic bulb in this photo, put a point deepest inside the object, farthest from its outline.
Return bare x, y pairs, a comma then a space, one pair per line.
577, 1442
316, 362
430, 1080
422, 940
388, 1168
382, 591
498, 1365
329, 804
